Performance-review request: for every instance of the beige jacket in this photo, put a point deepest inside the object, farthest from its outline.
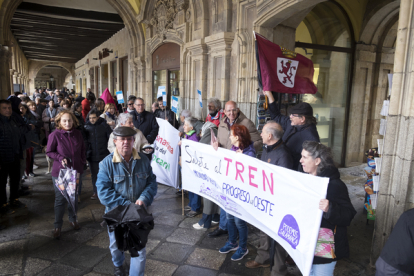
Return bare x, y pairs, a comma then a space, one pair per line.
223, 133
140, 141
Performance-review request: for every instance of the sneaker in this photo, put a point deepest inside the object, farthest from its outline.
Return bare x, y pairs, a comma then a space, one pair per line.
198, 226
5, 210
187, 208
228, 247
214, 222
94, 196
32, 174
17, 204
240, 253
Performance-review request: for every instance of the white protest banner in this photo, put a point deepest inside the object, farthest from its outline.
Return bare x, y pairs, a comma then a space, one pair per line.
166, 152
282, 203
120, 97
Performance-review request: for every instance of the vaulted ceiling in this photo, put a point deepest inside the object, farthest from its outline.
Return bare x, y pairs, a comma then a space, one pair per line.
63, 32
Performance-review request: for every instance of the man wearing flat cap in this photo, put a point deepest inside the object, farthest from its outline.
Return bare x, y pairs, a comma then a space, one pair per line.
125, 176
299, 126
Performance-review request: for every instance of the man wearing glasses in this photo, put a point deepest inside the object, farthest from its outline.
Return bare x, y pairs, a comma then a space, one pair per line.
144, 120
125, 177
299, 127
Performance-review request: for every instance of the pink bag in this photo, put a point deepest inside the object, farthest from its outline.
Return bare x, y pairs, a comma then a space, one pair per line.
325, 246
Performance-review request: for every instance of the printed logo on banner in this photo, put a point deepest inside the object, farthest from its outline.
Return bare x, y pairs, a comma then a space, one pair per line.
289, 231
286, 71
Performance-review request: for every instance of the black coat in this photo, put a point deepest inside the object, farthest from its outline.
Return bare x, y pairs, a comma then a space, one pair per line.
340, 214
294, 135
147, 123
97, 136
12, 137
169, 114
398, 251
132, 225
278, 154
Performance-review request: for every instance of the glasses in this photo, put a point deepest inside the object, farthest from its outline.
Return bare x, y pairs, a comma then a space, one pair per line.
130, 104
129, 139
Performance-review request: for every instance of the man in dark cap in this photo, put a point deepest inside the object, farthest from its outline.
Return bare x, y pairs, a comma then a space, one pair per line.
300, 126
125, 176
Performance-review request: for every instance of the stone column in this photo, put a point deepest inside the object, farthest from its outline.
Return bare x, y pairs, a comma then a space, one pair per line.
396, 186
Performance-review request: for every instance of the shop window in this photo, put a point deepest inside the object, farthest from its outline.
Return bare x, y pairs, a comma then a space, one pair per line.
325, 37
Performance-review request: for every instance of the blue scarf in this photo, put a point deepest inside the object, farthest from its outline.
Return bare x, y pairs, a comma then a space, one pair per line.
110, 115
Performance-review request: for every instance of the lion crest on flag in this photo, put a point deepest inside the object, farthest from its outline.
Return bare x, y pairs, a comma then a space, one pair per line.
286, 71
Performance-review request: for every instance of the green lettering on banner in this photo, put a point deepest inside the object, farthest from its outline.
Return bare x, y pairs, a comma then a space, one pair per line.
161, 162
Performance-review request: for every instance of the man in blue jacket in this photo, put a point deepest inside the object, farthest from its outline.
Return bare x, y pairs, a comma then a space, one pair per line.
125, 177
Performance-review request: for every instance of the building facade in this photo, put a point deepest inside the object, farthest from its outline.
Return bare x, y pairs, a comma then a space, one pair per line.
208, 45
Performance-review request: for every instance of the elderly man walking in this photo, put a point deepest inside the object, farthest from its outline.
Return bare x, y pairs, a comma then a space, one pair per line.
233, 116
275, 152
125, 177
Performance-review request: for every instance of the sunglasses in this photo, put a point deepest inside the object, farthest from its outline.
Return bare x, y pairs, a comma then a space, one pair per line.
130, 104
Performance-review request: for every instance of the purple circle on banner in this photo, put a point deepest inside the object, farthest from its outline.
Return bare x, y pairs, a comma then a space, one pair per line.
289, 231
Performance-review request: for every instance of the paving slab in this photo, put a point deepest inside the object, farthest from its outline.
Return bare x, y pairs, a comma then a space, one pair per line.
101, 240
157, 268
189, 222
85, 256
238, 267
37, 241
11, 256
160, 231
213, 243
95, 274
186, 236
80, 236
167, 218
105, 266
171, 252
34, 266
54, 250
151, 244
207, 258
186, 270
16, 230
61, 270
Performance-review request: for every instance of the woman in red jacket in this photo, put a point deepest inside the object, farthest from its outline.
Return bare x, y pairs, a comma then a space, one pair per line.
86, 104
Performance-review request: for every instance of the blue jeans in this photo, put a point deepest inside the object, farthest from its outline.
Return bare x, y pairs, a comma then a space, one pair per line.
195, 201
223, 220
234, 224
137, 266
206, 220
323, 269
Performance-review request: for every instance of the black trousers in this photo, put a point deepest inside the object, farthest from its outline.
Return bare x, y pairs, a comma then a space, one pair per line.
11, 170
94, 167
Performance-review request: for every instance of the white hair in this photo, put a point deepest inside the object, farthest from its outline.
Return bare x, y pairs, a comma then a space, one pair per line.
186, 113
123, 118
190, 121
216, 102
206, 127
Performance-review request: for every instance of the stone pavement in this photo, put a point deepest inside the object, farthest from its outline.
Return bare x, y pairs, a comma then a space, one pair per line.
174, 247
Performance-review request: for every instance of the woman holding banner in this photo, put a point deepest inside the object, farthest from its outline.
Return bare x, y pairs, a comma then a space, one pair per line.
194, 205
337, 208
241, 143
210, 209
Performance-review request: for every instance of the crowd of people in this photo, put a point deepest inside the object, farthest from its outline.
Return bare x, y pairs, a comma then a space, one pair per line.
113, 141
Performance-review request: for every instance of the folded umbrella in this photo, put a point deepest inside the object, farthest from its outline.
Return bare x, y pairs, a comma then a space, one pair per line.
67, 183
132, 224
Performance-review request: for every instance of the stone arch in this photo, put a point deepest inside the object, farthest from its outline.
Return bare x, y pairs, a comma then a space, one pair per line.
35, 66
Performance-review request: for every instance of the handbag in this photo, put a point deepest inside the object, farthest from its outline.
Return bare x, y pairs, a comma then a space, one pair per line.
325, 246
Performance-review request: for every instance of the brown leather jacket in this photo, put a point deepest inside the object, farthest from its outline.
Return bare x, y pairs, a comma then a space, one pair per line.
224, 132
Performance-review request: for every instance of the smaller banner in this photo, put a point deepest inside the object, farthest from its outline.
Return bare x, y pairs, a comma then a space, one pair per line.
174, 104
200, 99
166, 153
120, 97
281, 70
